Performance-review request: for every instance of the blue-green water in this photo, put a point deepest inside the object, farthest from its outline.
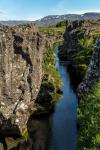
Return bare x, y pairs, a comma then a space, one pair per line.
64, 133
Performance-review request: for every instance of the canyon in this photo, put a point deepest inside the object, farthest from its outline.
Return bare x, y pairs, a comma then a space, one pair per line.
29, 79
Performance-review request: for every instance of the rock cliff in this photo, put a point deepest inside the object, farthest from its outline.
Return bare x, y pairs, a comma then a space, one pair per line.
93, 72
21, 54
25, 84
81, 48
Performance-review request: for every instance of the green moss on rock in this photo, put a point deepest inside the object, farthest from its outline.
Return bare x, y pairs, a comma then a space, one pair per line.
89, 120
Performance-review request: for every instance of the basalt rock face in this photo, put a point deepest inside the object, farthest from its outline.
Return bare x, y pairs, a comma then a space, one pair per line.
71, 37
93, 72
21, 54
76, 31
82, 48
25, 102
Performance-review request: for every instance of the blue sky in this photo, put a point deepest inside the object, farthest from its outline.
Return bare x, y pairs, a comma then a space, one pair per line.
35, 9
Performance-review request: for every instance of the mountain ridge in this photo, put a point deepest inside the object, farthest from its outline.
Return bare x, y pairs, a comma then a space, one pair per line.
54, 19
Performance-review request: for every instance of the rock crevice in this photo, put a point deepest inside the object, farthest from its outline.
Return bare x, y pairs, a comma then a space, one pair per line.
20, 72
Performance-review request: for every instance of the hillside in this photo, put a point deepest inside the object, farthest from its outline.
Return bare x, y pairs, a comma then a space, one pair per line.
54, 19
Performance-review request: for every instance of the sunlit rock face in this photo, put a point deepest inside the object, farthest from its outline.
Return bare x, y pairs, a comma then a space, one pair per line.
21, 54
75, 31
93, 72
71, 50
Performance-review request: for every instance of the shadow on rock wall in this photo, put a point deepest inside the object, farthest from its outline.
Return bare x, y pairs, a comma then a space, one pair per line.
8, 130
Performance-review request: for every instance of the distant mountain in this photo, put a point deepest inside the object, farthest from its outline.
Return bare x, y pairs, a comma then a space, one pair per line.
15, 22
92, 15
54, 19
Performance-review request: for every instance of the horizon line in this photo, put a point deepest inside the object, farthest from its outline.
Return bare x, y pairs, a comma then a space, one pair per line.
38, 18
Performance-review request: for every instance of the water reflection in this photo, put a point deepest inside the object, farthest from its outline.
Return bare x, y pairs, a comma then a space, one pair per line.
64, 118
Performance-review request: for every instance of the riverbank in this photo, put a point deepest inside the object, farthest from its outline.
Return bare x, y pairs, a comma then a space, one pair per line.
88, 120
64, 119
82, 48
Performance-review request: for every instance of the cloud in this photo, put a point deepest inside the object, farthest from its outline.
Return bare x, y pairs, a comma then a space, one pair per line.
1, 12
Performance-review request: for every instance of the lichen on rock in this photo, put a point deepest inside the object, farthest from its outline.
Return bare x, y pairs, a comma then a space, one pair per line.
21, 55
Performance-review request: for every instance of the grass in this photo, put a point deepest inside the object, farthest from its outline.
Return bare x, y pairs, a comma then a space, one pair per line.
89, 120
86, 43
85, 50
49, 56
50, 70
89, 105
13, 143
52, 29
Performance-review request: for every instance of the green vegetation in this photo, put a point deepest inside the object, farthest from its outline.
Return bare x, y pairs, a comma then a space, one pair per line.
86, 43
52, 29
13, 143
83, 56
89, 105
89, 120
59, 27
62, 24
50, 70
86, 46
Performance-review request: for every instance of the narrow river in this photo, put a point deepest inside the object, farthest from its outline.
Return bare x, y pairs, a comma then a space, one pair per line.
64, 133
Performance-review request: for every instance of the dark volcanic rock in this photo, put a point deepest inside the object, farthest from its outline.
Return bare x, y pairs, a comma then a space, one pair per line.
22, 50
21, 54
71, 51
44, 95
71, 41
39, 133
93, 73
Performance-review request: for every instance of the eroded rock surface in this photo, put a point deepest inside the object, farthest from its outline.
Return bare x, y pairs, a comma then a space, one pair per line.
81, 48
93, 72
21, 54
22, 51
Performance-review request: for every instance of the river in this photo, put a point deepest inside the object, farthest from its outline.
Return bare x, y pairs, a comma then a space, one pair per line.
64, 132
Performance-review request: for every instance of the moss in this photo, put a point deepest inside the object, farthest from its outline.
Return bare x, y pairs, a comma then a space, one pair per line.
24, 133
89, 120
13, 143
83, 56
86, 43
86, 46
52, 30
49, 68
55, 97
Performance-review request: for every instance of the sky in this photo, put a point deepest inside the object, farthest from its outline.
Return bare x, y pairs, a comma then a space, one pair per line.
36, 9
